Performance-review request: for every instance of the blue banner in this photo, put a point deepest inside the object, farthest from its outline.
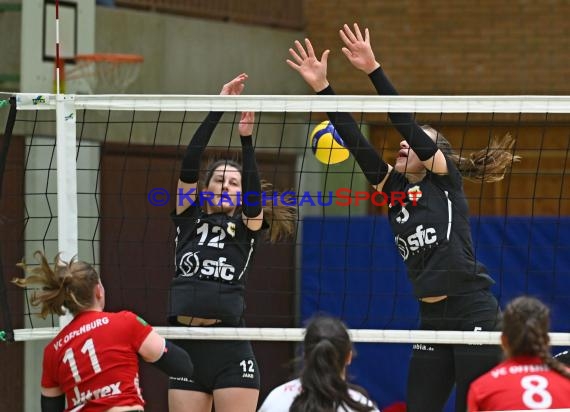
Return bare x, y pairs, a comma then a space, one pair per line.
351, 269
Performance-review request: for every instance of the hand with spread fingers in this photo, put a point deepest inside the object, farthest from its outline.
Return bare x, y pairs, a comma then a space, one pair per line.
358, 50
306, 63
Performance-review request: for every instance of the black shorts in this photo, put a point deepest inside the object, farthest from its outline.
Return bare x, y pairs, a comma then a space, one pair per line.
436, 368
476, 311
218, 365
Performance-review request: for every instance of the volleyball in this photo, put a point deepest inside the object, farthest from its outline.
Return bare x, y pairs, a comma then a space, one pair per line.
327, 145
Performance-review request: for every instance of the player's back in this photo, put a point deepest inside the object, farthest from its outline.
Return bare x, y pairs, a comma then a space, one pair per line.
281, 398
94, 360
520, 383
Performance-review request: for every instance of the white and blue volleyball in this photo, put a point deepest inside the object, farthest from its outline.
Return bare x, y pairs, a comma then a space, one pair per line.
327, 145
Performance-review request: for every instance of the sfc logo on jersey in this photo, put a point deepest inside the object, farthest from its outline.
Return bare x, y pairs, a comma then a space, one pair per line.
208, 269
419, 240
189, 264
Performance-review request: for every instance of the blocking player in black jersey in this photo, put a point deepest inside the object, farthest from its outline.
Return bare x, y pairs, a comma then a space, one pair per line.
217, 232
433, 237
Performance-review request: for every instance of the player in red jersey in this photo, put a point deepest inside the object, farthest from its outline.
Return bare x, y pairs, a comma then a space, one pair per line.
530, 378
92, 365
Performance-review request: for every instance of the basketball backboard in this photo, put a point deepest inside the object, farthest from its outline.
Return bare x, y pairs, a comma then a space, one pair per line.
38, 40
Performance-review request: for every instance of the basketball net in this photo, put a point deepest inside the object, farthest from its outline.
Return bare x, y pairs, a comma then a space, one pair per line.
101, 73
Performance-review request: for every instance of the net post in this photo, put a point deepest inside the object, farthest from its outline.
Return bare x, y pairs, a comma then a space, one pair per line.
67, 222
59, 76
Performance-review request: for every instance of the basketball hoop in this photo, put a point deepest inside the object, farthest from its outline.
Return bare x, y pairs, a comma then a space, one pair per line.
104, 72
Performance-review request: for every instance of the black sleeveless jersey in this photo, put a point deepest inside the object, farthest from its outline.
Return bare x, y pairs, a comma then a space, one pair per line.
212, 255
433, 236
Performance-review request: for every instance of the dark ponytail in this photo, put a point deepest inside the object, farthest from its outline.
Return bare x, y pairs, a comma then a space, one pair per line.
526, 324
327, 350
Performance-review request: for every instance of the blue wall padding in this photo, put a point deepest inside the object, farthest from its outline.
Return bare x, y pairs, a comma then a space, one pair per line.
351, 269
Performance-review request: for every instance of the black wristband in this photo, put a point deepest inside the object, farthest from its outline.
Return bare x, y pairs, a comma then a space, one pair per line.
251, 185
52, 403
190, 170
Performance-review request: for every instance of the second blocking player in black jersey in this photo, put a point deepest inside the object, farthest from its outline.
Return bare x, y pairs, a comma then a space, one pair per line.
216, 238
434, 236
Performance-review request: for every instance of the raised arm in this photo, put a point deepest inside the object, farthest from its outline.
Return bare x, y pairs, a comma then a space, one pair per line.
359, 52
252, 212
314, 72
190, 170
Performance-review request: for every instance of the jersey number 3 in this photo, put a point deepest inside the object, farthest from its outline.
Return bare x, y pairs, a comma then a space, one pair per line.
89, 348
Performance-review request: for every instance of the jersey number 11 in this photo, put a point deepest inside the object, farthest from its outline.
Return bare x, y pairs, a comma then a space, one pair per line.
88, 347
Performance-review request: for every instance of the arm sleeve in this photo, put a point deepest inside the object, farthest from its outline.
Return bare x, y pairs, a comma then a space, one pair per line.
175, 361
405, 123
372, 165
53, 403
190, 169
251, 184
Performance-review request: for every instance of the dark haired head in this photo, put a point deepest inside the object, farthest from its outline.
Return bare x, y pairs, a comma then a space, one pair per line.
526, 325
212, 166
327, 351
282, 218
332, 331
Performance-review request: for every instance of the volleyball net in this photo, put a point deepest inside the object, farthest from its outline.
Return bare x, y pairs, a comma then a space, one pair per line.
95, 176
109, 165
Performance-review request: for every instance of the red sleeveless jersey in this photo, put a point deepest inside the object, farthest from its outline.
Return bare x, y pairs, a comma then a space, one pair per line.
93, 360
520, 383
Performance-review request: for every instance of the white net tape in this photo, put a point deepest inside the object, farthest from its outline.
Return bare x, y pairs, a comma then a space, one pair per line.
311, 103
297, 334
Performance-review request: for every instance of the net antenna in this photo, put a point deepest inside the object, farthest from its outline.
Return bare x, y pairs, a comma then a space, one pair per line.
104, 73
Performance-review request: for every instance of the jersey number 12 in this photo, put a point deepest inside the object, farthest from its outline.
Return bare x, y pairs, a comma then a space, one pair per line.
215, 241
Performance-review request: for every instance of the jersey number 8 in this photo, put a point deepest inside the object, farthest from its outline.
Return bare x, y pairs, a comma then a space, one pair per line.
535, 395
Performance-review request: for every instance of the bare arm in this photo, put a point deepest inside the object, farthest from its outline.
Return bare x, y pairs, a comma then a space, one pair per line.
152, 347
359, 53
